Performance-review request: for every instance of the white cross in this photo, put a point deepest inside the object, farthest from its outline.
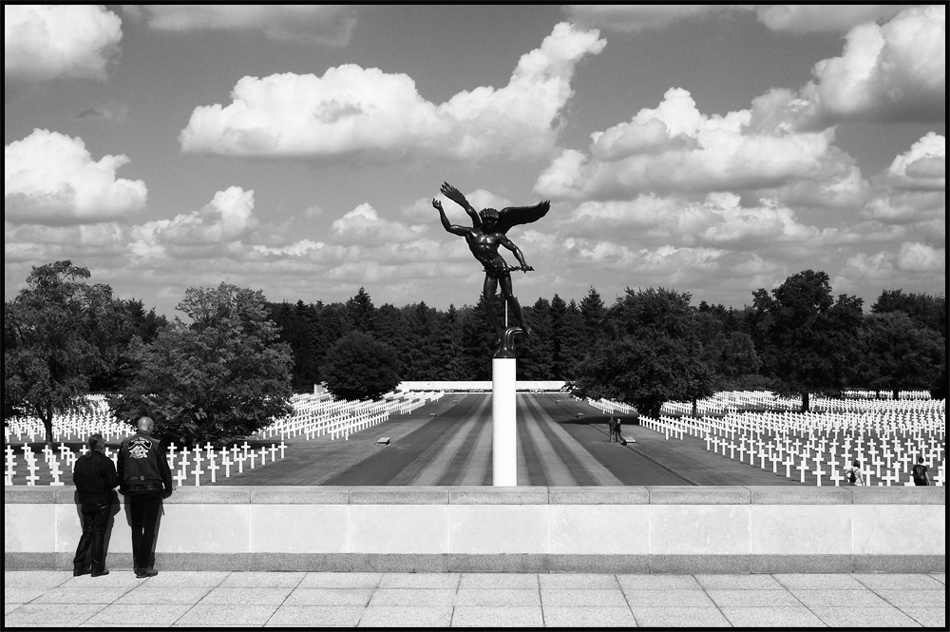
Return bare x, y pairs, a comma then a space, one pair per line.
213, 467
227, 467
273, 452
245, 447
837, 478
197, 474
282, 448
263, 455
171, 453
180, 477
234, 451
252, 456
803, 468
741, 451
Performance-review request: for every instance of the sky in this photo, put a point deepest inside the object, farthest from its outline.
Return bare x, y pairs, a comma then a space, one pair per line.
710, 149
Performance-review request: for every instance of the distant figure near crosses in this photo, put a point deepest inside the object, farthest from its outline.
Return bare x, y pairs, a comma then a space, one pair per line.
488, 231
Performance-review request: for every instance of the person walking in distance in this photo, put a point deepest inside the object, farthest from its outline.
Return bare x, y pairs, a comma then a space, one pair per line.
919, 472
611, 428
145, 480
95, 478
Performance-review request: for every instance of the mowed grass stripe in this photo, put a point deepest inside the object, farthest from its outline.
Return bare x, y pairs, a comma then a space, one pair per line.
551, 456
441, 467
408, 474
475, 469
530, 468
587, 469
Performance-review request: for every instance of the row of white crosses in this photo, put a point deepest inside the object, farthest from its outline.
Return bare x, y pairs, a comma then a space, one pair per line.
321, 415
71, 426
886, 444
55, 461
206, 461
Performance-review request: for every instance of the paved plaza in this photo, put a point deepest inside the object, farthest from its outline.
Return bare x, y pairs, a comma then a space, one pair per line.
250, 599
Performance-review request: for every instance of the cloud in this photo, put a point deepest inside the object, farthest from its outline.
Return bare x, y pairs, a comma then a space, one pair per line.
43, 42
675, 148
893, 72
363, 225
816, 18
776, 17
113, 111
913, 189
635, 18
225, 221
923, 166
328, 25
50, 178
375, 116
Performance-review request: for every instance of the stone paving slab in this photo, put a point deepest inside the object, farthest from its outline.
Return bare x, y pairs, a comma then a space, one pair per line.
406, 617
588, 617
505, 616
679, 616
316, 616
780, 617
858, 617
286, 599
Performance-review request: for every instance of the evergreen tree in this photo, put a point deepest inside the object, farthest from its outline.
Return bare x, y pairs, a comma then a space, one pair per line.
361, 368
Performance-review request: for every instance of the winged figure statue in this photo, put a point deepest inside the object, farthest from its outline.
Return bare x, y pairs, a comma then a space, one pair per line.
489, 231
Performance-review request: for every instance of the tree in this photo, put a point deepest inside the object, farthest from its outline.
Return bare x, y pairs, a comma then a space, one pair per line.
58, 333
929, 313
360, 367
650, 353
222, 377
897, 354
809, 341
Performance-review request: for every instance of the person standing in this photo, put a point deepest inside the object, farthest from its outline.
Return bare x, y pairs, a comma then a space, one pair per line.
95, 478
617, 426
854, 474
611, 428
919, 472
145, 479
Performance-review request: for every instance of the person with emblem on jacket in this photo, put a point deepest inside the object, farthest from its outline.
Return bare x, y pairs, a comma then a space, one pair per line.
145, 479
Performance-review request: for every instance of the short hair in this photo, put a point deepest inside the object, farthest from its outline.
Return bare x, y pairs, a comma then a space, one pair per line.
856, 463
489, 213
920, 459
145, 423
96, 442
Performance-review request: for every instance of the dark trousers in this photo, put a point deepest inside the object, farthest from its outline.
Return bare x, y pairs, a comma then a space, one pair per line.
95, 519
144, 510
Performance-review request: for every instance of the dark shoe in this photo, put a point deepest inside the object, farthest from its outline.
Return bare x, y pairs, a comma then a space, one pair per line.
81, 571
142, 573
104, 571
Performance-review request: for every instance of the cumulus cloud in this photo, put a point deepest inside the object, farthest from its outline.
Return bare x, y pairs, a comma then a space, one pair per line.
363, 225
718, 221
777, 17
814, 18
377, 116
43, 42
674, 147
892, 72
923, 166
328, 25
50, 178
225, 221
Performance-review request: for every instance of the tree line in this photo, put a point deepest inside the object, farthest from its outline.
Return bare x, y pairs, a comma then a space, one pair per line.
233, 367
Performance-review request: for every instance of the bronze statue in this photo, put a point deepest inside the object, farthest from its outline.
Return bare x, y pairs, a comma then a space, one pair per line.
488, 231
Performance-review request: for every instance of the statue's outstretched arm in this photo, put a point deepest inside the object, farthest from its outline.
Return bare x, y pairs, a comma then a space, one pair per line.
456, 196
451, 228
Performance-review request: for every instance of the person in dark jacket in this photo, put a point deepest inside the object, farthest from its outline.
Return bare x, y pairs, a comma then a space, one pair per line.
95, 478
145, 479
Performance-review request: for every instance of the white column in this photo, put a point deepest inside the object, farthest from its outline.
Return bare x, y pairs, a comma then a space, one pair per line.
504, 429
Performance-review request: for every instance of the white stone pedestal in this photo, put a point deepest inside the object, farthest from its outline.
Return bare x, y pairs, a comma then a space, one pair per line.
504, 428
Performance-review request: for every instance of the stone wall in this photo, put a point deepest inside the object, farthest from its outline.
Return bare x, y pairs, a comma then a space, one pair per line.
523, 529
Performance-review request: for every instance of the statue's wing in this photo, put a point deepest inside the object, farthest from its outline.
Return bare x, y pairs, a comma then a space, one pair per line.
514, 215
